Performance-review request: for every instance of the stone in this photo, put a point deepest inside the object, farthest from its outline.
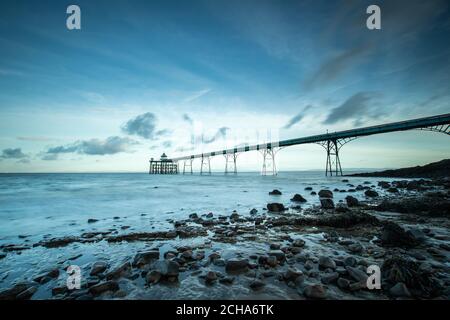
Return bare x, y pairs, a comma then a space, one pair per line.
27, 294
167, 268
211, 276
253, 211
280, 255
350, 261
104, 286
257, 285
298, 243
120, 271
275, 207
315, 291
371, 193
47, 276
275, 246
399, 290
326, 203
272, 261
351, 201
343, 283
384, 184
308, 189
292, 274
153, 277
193, 216
394, 235
226, 280
309, 265
92, 220
392, 190
236, 265
11, 293
325, 194
298, 198
357, 274
98, 267
326, 262
330, 277
355, 248
275, 192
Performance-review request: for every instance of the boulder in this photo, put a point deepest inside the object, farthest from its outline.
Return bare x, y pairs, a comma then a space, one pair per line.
153, 277
357, 274
275, 207
236, 265
98, 267
327, 203
394, 235
326, 262
103, 287
351, 201
275, 192
120, 271
298, 198
315, 291
167, 268
399, 290
325, 194
371, 193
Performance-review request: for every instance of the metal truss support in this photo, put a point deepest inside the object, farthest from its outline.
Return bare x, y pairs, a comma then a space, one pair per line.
444, 128
230, 162
269, 163
206, 163
187, 163
333, 146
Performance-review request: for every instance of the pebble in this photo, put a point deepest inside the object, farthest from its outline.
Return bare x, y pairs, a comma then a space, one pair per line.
315, 291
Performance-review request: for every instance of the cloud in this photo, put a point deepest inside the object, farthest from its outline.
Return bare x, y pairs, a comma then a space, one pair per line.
221, 133
357, 108
144, 125
184, 149
32, 138
110, 145
188, 119
13, 153
167, 144
335, 67
297, 118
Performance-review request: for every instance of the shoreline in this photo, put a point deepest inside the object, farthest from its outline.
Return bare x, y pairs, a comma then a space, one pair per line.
304, 252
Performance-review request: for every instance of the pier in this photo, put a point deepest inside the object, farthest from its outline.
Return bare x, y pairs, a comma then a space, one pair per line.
163, 166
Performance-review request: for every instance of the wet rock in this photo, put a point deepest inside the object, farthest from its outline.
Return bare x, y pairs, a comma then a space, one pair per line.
120, 271
309, 265
298, 198
280, 255
357, 274
103, 287
343, 283
153, 277
10, 294
327, 203
210, 277
210, 215
350, 261
234, 216
292, 275
371, 193
187, 255
226, 280
329, 277
384, 184
2, 255
434, 207
394, 235
275, 246
308, 189
275, 192
236, 265
341, 208
275, 207
298, 243
257, 285
392, 190
59, 290
325, 194
355, 286
92, 220
98, 267
400, 290
47, 276
193, 216
313, 193
167, 268
355, 248
420, 282
326, 262
271, 261
253, 211
27, 294
351, 201
315, 291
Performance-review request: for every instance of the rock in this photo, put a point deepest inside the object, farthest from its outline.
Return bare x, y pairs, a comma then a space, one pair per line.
47, 276
120, 294
351, 201
298, 198
236, 265
400, 290
27, 294
325, 194
257, 285
357, 274
341, 208
371, 193
120, 271
153, 277
59, 290
292, 274
275, 192
275, 246
253, 211
326, 262
211, 276
396, 236
187, 255
343, 283
10, 294
104, 286
392, 190
226, 280
2, 255
298, 243
316, 291
98, 267
329, 277
280, 255
417, 234
357, 286
309, 265
384, 184
326, 203
350, 261
92, 220
308, 189
234, 216
193, 216
313, 193
167, 268
355, 248
275, 207
210, 215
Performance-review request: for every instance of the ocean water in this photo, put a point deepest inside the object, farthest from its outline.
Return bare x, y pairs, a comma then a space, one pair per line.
34, 207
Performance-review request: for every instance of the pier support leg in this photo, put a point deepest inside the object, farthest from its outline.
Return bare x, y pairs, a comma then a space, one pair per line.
333, 164
206, 163
187, 163
230, 159
269, 164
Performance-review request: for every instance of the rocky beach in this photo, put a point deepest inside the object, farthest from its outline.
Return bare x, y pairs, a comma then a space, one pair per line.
316, 245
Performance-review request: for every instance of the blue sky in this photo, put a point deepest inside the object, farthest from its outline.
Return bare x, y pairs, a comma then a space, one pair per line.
145, 77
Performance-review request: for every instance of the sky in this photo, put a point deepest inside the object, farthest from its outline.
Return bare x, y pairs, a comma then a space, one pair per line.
145, 77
